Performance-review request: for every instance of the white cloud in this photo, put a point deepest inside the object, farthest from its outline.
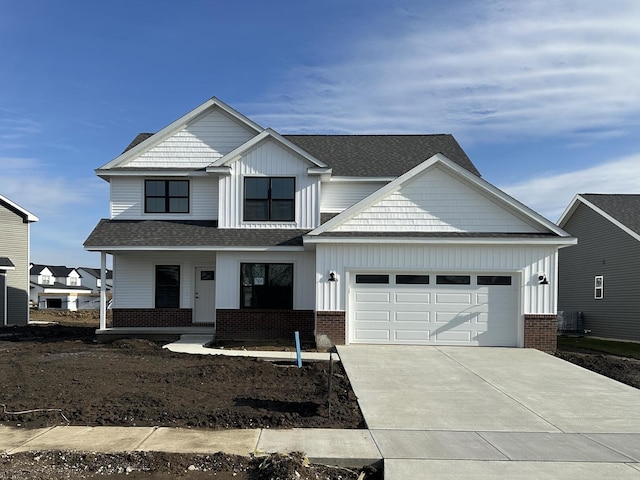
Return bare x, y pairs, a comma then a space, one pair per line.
505, 69
549, 194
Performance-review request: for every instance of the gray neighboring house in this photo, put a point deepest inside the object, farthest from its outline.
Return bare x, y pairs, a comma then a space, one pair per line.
15, 224
600, 276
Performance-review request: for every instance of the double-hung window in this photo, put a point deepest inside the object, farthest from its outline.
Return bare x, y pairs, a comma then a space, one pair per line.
598, 287
266, 285
269, 199
166, 196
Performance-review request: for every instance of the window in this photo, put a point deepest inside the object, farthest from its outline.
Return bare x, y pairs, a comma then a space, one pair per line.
46, 280
412, 279
494, 280
266, 285
598, 290
73, 281
166, 196
269, 198
167, 286
367, 278
453, 280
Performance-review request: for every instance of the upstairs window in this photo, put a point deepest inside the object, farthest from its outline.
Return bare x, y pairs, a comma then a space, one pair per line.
269, 199
46, 280
166, 196
598, 287
73, 281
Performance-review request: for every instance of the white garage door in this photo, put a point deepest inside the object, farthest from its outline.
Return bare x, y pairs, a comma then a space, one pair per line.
473, 309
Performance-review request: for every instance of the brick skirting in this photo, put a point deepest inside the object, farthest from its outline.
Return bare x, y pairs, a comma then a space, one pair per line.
541, 332
250, 324
151, 317
330, 329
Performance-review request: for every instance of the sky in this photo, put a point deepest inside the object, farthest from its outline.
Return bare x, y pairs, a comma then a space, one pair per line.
543, 95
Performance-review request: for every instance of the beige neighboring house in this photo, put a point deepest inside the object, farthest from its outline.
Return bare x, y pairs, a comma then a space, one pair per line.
15, 223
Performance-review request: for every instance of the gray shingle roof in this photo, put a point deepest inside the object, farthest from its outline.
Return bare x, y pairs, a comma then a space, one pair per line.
624, 208
56, 270
380, 155
6, 262
177, 233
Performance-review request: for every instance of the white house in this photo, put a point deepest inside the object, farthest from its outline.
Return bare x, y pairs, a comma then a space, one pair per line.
218, 223
58, 287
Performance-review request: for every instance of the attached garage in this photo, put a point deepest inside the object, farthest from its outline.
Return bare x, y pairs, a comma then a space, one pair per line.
434, 308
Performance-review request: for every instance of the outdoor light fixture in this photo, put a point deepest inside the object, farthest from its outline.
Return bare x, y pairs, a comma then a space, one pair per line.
332, 277
542, 279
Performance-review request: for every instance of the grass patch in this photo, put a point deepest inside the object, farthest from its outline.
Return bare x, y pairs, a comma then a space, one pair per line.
623, 349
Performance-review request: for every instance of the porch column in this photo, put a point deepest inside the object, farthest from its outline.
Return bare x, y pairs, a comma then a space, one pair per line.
103, 290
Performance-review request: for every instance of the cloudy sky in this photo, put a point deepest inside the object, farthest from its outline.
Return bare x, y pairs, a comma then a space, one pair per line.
544, 95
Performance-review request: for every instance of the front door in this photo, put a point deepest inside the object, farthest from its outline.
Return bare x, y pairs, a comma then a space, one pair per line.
204, 310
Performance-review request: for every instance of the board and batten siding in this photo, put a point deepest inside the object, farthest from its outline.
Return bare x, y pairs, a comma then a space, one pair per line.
228, 269
14, 238
436, 201
269, 160
528, 261
197, 145
127, 199
134, 276
338, 196
602, 249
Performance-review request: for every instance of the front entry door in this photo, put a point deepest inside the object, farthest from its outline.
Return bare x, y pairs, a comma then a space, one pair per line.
205, 295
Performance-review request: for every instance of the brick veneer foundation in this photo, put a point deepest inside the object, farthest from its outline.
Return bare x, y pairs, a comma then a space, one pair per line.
250, 324
330, 328
151, 317
541, 332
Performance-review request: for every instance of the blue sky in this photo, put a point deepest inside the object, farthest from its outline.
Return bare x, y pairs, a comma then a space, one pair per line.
544, 95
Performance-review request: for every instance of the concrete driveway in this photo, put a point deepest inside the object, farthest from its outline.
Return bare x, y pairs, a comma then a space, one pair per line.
466, 412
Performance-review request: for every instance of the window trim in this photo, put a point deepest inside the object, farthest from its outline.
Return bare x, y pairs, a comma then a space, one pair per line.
269, 200
598, 289
167, 197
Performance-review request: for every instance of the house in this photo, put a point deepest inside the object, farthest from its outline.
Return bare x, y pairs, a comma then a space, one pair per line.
91, 278
599, 277
58, 287
217, 223
15, 225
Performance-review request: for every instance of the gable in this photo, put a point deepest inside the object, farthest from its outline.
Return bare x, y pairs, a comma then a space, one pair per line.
197, 144
269, 157
437, 201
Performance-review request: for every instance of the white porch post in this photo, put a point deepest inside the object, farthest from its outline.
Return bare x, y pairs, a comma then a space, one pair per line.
103, 290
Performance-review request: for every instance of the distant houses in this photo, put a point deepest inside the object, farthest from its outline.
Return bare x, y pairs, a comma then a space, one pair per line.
64, 288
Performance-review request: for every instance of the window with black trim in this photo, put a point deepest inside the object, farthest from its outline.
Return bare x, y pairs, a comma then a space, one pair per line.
371, 278
494, 279
167, 286
266, 285
453, 280
598, 287
166, 196
269, 199
412, 279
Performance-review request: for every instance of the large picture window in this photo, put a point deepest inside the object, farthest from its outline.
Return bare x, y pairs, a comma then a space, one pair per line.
266, 285
167, 286
269, 199
166, 196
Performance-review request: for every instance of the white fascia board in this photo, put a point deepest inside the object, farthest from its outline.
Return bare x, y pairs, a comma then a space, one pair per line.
106, 174
580, 199
263, 136
560, 241
475, 181
577, 199
29, 216
191, 249
181, 122
362, 179
319, 171
4, 268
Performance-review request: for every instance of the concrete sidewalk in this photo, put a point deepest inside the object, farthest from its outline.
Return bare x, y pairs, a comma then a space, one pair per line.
348, 448
482, 413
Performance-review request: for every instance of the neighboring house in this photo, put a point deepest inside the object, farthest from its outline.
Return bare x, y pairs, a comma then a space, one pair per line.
599, 277
91, 278
15, 224
58, 287
219, 223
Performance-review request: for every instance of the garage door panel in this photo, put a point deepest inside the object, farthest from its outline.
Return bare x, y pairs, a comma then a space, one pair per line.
412, 335
373, 316
412, 317
373, 297
411, 297
453, 298
453, 318
453, 336
372, 335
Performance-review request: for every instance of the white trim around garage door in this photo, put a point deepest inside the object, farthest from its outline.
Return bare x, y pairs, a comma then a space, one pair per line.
431, 308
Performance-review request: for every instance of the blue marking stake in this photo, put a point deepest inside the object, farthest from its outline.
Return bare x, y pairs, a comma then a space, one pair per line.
298, 352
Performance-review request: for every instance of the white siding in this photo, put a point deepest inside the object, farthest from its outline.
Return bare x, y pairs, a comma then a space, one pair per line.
127, 200
436, 202
269, 159
338, 196
134, 276
198, 144
228, 269
527, 260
